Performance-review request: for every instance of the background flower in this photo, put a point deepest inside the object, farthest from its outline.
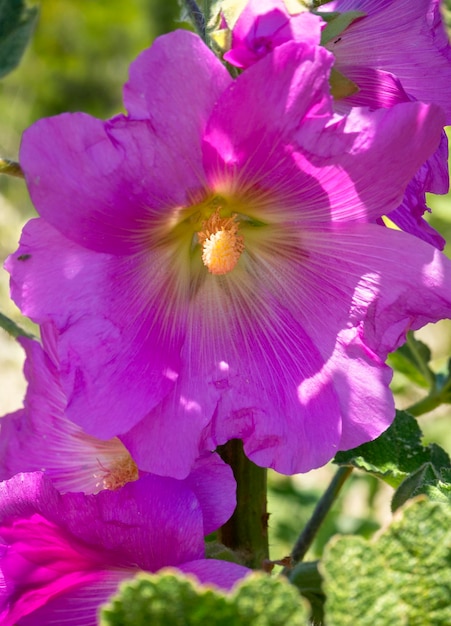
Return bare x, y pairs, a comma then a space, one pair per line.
39, 437
69, 552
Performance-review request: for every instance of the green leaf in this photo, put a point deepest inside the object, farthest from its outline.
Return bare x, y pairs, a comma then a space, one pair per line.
170, 598
307, 578
429, 479
396, 454
412, 360
402, 578
17, 22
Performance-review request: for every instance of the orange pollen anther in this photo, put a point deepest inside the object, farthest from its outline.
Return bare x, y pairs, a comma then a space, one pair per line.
221, 244
124, 470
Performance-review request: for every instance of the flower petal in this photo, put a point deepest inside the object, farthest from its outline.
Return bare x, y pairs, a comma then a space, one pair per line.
78, 606
109, 339
405, 38
162, 518
223, 574
213, 483
316, 167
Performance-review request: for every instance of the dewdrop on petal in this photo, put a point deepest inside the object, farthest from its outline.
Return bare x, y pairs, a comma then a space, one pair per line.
221, 244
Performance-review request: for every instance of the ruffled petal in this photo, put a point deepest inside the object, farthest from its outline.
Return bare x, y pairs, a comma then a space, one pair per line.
222, 574
149, 93
265, 24
405, 38
75, 607
114, 178
162, 518
213, 483
313, 167
379, 283
110, 335
41, 438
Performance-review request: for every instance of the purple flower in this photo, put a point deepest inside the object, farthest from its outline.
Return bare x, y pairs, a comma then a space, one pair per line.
405, 39
400, 47
265, 24
39, 437
395, 51
67, 553
212, 264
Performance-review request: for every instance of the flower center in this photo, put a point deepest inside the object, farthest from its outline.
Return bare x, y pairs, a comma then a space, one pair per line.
123, 470
221, 244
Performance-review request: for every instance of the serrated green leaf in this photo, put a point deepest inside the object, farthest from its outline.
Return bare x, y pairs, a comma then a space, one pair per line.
264, 601
167, 598
429, 479
402, 578
396, 454
17, 22
170, 598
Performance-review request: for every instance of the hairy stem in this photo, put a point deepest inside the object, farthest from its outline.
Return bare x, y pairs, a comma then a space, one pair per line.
197, 18
422, 366
246, 532
11, 168
12, 328
323, 507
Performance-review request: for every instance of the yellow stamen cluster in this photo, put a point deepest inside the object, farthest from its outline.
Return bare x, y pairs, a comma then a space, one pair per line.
124, 470
221, 244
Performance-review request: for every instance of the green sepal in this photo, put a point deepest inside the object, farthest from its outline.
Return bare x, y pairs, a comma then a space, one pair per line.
338, 23
217, 550
340, 85
402, 577
17, 22
171, 598
396, 454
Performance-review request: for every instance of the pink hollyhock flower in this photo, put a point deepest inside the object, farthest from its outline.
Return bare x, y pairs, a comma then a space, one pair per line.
41, 438
67, 553
400, 40
212, 264
406, 39
265, 24
393, 47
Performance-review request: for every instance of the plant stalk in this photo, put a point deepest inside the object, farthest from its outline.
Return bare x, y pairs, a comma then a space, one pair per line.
323, 507
246, 532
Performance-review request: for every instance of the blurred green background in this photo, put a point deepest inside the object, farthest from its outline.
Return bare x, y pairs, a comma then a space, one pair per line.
78, 61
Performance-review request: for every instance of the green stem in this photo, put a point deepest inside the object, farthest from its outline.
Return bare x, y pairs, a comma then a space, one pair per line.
246, 532
426, 405
323, 507
422, 366
11, 168
12, 328
197, 17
